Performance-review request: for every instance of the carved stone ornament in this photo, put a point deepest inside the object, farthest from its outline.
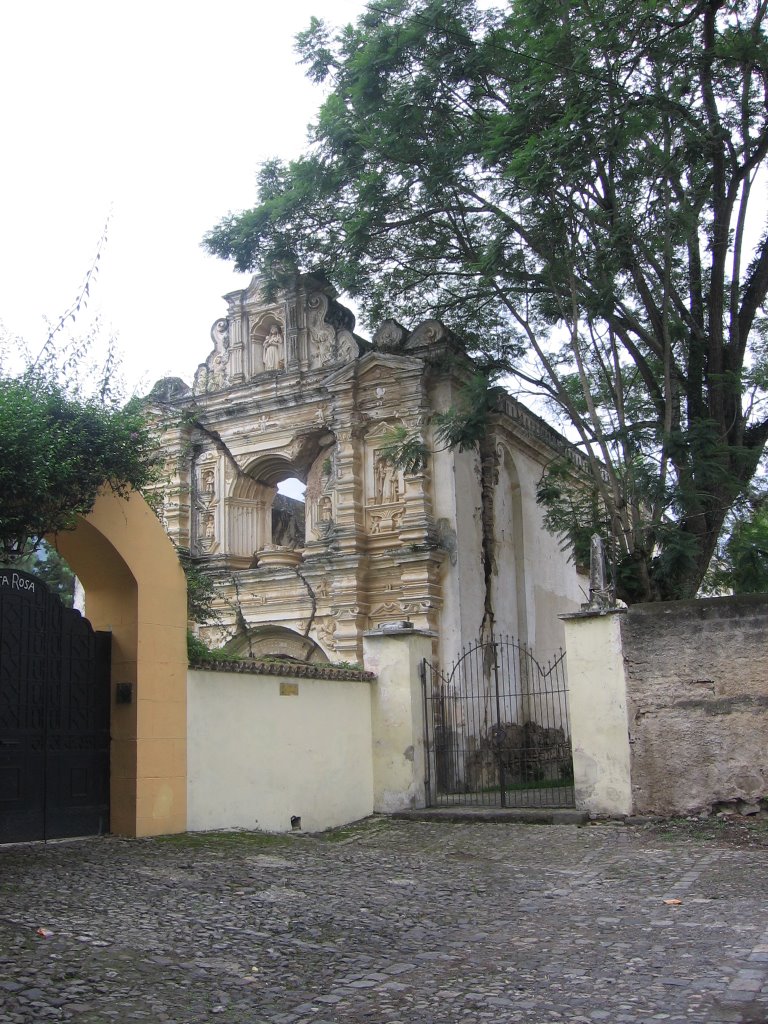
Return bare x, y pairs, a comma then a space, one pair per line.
328, 343
212, 374
427, 333
390, 336
322, 336
326, 634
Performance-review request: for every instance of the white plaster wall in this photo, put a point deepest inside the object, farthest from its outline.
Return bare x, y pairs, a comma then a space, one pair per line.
397, 711
552, 585
598, 712
508, 582
256, 758
457, 500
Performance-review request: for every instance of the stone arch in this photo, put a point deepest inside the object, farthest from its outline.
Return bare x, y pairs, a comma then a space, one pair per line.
277, 642
135, 588
252, 509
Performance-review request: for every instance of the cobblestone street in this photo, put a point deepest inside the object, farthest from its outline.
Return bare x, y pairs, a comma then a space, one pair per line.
387, 922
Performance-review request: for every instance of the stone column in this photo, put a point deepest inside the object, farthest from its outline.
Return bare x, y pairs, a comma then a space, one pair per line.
597, 699
395, 654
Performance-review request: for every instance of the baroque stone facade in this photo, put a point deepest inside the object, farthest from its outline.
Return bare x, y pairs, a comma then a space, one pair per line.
290, 391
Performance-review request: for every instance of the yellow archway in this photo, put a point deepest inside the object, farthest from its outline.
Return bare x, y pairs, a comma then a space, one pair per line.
135, 587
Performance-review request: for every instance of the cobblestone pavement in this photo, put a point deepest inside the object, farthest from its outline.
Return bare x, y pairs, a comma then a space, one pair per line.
390, 922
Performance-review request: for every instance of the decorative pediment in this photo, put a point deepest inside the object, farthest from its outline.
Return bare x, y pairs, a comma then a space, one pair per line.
371, 365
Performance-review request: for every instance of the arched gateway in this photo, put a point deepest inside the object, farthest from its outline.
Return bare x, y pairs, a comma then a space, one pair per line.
135, 589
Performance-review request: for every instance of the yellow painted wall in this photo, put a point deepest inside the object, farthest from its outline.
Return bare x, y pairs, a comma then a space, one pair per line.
135, 587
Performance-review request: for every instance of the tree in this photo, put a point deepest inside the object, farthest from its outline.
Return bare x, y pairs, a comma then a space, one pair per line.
59, 446
45, 562
577, 190
741, 561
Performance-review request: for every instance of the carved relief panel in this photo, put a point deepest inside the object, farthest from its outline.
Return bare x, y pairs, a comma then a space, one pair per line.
320, 496
206, 504
385, 494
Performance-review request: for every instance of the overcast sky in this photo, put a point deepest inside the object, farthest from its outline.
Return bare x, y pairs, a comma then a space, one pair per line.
160, 112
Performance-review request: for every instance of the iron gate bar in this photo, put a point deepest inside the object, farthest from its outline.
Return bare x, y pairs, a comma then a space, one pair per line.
496, 728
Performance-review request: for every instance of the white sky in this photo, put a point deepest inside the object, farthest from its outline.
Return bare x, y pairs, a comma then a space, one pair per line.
162, 112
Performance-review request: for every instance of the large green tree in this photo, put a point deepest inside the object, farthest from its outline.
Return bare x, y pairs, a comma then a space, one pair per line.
61, 443
579, 189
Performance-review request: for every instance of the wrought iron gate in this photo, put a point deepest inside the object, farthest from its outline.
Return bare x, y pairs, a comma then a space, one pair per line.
54, 716
496, 729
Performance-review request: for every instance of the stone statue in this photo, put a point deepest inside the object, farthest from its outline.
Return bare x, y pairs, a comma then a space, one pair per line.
381, 479
386, 485
271, 350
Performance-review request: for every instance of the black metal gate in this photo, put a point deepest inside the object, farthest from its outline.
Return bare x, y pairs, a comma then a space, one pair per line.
54, 716
496, 729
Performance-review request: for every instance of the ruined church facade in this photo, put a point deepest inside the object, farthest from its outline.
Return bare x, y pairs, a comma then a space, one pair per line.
290, 391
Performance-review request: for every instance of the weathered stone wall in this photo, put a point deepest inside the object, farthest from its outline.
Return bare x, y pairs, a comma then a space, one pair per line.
697, 702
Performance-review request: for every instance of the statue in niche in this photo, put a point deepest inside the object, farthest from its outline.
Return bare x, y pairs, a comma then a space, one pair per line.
272, 349
208, 482
386, 488
324, 510
207, 533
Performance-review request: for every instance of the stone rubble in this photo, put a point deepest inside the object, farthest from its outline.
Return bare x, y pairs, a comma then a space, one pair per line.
389, 922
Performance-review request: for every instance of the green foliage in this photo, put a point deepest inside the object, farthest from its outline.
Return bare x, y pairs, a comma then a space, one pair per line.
569, 185
747, 549
57, 450
47, 564
198, 651
404, 450
200, 591
466, 424
572, 508
741, 562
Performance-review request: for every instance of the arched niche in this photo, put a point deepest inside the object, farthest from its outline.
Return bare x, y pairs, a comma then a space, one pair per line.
267, 343
135, 588
277, 642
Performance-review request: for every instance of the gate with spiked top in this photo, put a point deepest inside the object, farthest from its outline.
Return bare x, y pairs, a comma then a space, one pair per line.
496, 728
